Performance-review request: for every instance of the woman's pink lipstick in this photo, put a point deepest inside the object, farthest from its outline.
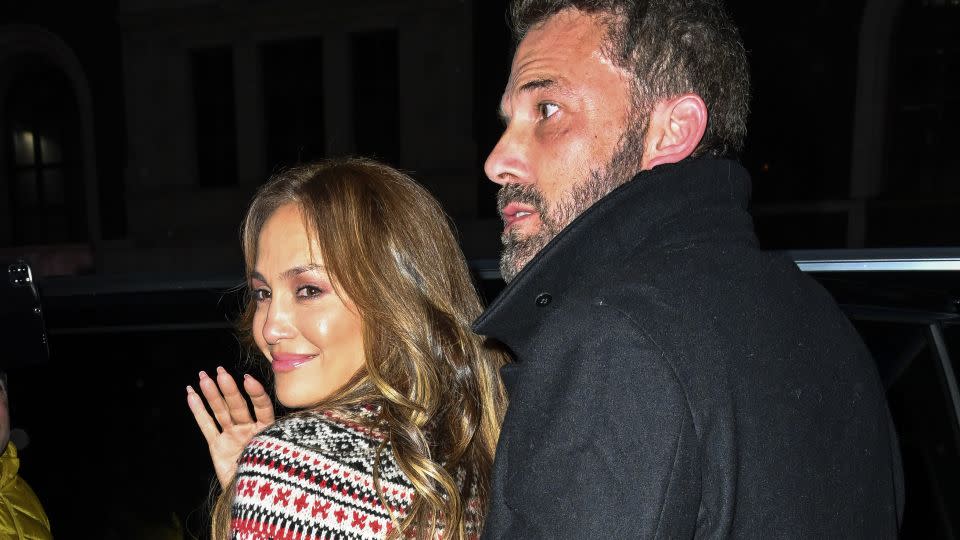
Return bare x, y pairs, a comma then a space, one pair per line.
283, 362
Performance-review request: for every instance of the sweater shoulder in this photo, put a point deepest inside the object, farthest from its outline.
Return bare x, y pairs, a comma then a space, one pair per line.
327, 437
316, 472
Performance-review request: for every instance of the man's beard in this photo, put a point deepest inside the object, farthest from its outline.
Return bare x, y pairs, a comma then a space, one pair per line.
519, 250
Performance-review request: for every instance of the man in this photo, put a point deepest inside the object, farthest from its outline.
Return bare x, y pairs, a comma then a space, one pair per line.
21, 514
671, 380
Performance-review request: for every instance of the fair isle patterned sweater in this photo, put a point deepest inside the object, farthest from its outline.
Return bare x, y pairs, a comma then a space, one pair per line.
310, 477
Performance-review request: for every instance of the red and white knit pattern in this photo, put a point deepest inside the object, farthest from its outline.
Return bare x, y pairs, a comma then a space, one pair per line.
310, 477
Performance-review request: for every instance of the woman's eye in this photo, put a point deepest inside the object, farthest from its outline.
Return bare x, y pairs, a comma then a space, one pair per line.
259, 295
309, 291
548, 109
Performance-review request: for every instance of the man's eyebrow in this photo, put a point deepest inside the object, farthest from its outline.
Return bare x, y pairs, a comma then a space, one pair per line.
536, 84
529, 86
291, 273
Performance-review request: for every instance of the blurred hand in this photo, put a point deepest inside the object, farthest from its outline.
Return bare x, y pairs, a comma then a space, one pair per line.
236, 427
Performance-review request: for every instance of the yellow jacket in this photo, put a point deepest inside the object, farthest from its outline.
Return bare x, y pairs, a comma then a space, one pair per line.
21, 514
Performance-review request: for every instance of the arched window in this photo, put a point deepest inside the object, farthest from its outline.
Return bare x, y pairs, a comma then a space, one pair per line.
42, 139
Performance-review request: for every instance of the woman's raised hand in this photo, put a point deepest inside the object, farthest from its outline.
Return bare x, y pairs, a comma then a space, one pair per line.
236, 426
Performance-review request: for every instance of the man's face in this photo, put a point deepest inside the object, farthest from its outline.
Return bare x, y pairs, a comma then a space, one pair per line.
567, 109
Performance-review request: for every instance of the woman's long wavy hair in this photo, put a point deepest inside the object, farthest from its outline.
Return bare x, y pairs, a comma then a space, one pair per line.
388, 246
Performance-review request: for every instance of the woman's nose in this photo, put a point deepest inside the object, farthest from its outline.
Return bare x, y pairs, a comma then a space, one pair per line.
279, 323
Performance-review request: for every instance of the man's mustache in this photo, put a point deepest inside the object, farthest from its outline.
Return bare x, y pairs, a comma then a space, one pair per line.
520, 193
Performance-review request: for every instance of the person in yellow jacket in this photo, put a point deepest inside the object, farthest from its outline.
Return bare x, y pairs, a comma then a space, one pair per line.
21, 514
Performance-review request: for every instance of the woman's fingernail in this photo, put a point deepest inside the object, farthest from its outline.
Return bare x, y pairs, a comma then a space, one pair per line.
221, 370
190, 389
203, 374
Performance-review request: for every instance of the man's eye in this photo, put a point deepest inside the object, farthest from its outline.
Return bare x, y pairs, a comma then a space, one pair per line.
548, 109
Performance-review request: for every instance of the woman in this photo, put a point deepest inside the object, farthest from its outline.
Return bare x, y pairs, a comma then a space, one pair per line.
361, 301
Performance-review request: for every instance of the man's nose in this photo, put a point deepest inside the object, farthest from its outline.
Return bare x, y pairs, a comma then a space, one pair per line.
509, 161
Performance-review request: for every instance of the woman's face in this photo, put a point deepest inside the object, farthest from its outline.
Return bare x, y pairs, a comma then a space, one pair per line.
311, 336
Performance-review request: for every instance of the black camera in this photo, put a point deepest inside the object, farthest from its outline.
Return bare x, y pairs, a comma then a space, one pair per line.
22, 326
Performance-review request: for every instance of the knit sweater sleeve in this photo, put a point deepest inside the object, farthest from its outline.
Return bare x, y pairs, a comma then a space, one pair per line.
310, 476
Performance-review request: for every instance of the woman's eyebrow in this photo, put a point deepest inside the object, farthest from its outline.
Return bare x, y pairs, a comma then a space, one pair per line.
297, 270
291, 273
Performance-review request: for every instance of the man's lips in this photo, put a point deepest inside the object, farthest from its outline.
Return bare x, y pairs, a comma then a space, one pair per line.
284, 362
514, 212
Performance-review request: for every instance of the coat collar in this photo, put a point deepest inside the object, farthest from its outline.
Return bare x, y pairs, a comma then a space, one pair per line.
9, 465
698, 199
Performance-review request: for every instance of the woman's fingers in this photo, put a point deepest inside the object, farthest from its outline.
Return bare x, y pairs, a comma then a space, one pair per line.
237, 406
219, 407
262, 406
206, 424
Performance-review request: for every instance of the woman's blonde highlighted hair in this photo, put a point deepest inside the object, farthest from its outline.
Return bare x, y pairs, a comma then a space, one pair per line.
388, 246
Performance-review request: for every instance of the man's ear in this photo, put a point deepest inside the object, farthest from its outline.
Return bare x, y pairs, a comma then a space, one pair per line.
676, 128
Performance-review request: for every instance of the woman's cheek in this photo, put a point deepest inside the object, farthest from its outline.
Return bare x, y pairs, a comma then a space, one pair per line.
257, 330
323, 328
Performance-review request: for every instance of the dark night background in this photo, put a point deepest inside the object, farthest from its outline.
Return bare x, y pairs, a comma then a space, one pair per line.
133, 132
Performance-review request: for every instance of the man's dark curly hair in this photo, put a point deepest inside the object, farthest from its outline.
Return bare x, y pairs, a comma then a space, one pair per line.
672, 47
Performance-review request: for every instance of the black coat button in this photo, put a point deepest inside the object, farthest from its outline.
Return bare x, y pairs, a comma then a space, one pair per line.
544, 299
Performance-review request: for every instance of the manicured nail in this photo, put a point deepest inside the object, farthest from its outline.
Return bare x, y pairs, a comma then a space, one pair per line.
203, 374
190, 390
246, 376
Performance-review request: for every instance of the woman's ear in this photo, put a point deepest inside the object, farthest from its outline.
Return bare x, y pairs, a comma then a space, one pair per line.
676, 128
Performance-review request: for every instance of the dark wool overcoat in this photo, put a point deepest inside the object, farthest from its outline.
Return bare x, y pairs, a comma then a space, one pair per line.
672, 380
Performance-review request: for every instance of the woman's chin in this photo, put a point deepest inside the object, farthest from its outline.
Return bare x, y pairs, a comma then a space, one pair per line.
299, 398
